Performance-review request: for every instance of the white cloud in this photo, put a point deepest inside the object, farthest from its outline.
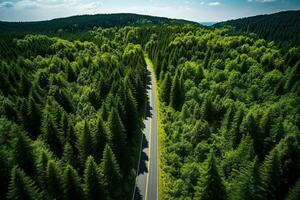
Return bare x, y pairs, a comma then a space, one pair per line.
215, 3
6, 4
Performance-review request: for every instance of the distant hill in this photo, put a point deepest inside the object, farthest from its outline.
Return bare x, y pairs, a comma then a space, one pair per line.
84, 22
282, 27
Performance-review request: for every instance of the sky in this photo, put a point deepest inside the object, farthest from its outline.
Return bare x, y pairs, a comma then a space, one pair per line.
195, 10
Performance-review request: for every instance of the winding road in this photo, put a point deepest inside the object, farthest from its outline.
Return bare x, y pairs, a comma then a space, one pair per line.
146, 186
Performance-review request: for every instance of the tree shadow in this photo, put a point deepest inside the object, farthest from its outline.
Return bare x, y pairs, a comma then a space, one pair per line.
144, 158
137, 194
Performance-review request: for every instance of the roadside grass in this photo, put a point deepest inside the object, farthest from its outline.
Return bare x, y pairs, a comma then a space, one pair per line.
162, 178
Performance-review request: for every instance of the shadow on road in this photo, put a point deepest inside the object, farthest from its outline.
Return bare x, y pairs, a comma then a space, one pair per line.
137, 195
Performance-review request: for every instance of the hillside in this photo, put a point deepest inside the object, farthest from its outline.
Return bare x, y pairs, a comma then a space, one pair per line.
282, 27
80, 23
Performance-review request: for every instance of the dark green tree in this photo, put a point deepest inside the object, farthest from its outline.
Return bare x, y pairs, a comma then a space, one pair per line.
23, 153
111, 173
34, 118
71, 184
21, 187
92, 183
210, 184
176, 95
294, 193
68, 156
117, 136
51, 134
271, 176
85, 143
54, 180
166, 88
100, 138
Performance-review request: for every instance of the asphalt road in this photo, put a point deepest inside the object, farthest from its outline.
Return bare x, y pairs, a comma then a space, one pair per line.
147, 178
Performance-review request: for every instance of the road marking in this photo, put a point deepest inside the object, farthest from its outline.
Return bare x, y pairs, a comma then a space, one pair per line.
149, 149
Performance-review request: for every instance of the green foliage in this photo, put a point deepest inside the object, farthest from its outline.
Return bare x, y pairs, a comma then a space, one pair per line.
71, 184
84, 143
54, 180
111, 173
210, 184
22, 187
92, 181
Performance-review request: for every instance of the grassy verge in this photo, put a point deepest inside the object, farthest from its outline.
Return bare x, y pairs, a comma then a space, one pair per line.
161, 134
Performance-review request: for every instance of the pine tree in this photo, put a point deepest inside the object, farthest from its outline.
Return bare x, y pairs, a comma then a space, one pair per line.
166, 88
84, 143
236, 134
294, 193
4, 172
250, 184
50, 134
271, 176
131, 115
21, 187
92, 183
100, 138
64, 128
68, 156
23, 153
71, 184
41, 166
25, 85
54, 180
210, 185
70, 73
111, 173
176, 95
34, 116
117, 137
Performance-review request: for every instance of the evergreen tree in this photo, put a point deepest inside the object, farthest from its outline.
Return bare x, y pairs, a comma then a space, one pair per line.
84, 143
51, 134
236, 134
210, 185
131, 115
21, 187
294, 193
71, 184
92, 183
23, 153
176, 95
71, 73
271, 176
250, 185
54, 180
64, 128
68, 156
34, 118
100, 138
117, 137
4, 173
166, 88
41, 166
111, 173
25, 85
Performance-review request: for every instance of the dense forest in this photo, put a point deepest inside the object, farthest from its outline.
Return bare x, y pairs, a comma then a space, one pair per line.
282, 27
81, 23
230, 106
71, 114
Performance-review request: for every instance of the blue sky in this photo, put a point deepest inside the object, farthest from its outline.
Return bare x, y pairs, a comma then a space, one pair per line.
196, 10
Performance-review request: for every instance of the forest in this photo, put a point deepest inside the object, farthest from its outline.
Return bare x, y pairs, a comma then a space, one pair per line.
72, 110
71, 116
230, 106
282, 27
